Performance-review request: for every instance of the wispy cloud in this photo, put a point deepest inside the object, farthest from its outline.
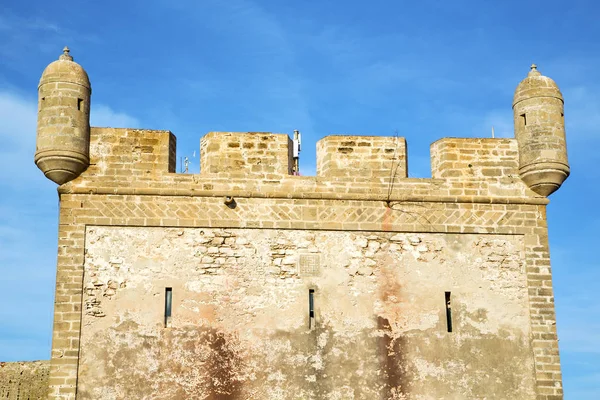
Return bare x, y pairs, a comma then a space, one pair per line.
259, 79
22, 32
17, 139
35, 34
104, 116
12, 22
18, 116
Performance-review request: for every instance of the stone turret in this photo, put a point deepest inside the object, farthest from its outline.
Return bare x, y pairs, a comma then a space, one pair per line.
63, 126
540, 132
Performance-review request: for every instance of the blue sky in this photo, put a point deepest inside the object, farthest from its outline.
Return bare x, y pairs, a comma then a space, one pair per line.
426, 69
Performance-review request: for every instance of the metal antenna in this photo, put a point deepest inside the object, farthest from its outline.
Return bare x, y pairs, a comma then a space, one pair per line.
296, 152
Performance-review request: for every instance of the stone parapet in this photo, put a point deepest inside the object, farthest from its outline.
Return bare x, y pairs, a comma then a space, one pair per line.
135, 161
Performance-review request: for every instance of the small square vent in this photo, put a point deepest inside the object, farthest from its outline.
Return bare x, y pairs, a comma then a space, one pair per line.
309, 264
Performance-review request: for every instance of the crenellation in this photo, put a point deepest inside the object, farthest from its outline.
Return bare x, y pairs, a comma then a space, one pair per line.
241, 156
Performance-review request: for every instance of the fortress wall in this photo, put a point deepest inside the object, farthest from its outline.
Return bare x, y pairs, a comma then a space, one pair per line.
24, 380
378, 158
465, 218
313, 221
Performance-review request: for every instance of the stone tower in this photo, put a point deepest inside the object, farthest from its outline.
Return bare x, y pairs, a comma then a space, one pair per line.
63, 126
351, 284
540, 131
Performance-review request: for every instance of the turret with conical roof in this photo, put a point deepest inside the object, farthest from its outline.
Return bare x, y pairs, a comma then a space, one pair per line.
63, 126
540, 132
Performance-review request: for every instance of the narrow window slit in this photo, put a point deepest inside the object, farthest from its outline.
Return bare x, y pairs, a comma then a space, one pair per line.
311, 309
448, 312
79, 104
524, 119
168, 305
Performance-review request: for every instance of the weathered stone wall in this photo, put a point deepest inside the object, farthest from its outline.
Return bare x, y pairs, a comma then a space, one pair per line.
374, 157
240, 321
80, 210
24, 380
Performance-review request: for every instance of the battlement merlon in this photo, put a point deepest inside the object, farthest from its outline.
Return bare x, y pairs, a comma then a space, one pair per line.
269, 156
246, 154
473, 158
124, 152
378, 158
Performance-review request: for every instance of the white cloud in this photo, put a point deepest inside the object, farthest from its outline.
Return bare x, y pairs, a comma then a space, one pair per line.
18, 116
13, 22
104, 116
17, 141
